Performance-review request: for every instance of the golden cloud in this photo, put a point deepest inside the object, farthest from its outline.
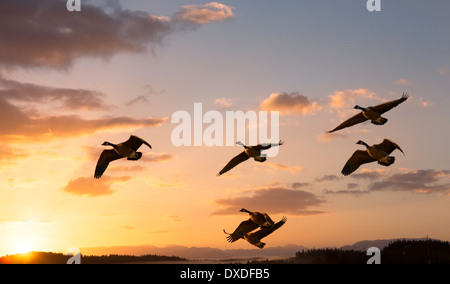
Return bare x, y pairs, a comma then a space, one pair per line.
290, 104
90, 187
204, 14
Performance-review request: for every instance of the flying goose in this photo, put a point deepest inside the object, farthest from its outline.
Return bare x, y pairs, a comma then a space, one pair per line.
249, 152
261, 219
243, 231
127, 149
371, 113
379, 152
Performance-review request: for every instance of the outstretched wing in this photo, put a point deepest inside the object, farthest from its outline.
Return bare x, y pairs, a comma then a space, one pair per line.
264, 232
234, 162
385, 107
268, 146
356, 160
350, 122
388, 146
244, 228
135, 142
106, 157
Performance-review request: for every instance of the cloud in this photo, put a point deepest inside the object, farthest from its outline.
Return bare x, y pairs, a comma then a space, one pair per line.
342, 103
282, 167
419, 181
26, 123
149, 91
328, 137
152, 157
224, 102
353, 192
138, 99
290, 104
90, 187
273, 200
204, 14
297, 185
352, 185
135, 168
69, 99
403, 82
327, 178
44, 34
37, 127
425, 103
347, 99
10, 154
369, 174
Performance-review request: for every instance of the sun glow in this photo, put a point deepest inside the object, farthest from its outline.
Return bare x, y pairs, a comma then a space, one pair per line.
23, 246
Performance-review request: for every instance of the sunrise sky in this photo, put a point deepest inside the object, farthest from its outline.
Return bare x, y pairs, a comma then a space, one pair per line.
71, 80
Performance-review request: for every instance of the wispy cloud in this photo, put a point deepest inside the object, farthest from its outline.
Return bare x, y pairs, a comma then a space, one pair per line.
369, 174
138, 99
346, 191
403, 82
328, 137
297, 185
44, 128
10, 154
224, 102
327, 178
416, 181
204, 14
87, 186
32, 126
60, 98
283, 167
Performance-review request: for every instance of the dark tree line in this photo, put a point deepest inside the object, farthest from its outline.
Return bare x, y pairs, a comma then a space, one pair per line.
59, 258
397, 252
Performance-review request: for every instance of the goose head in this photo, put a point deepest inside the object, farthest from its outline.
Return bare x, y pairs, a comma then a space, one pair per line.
360, 142
240, 144
106, 143
243, 210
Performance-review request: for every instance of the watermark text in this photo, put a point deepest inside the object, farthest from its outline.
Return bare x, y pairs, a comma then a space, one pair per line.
214, 129
74, 5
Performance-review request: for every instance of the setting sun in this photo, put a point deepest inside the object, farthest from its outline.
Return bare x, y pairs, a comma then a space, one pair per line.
23, 246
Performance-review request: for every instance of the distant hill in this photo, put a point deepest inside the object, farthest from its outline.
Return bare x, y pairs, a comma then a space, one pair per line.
198, 252
381, 244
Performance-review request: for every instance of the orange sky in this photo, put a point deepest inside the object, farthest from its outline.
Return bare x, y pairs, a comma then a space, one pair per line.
61, 99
